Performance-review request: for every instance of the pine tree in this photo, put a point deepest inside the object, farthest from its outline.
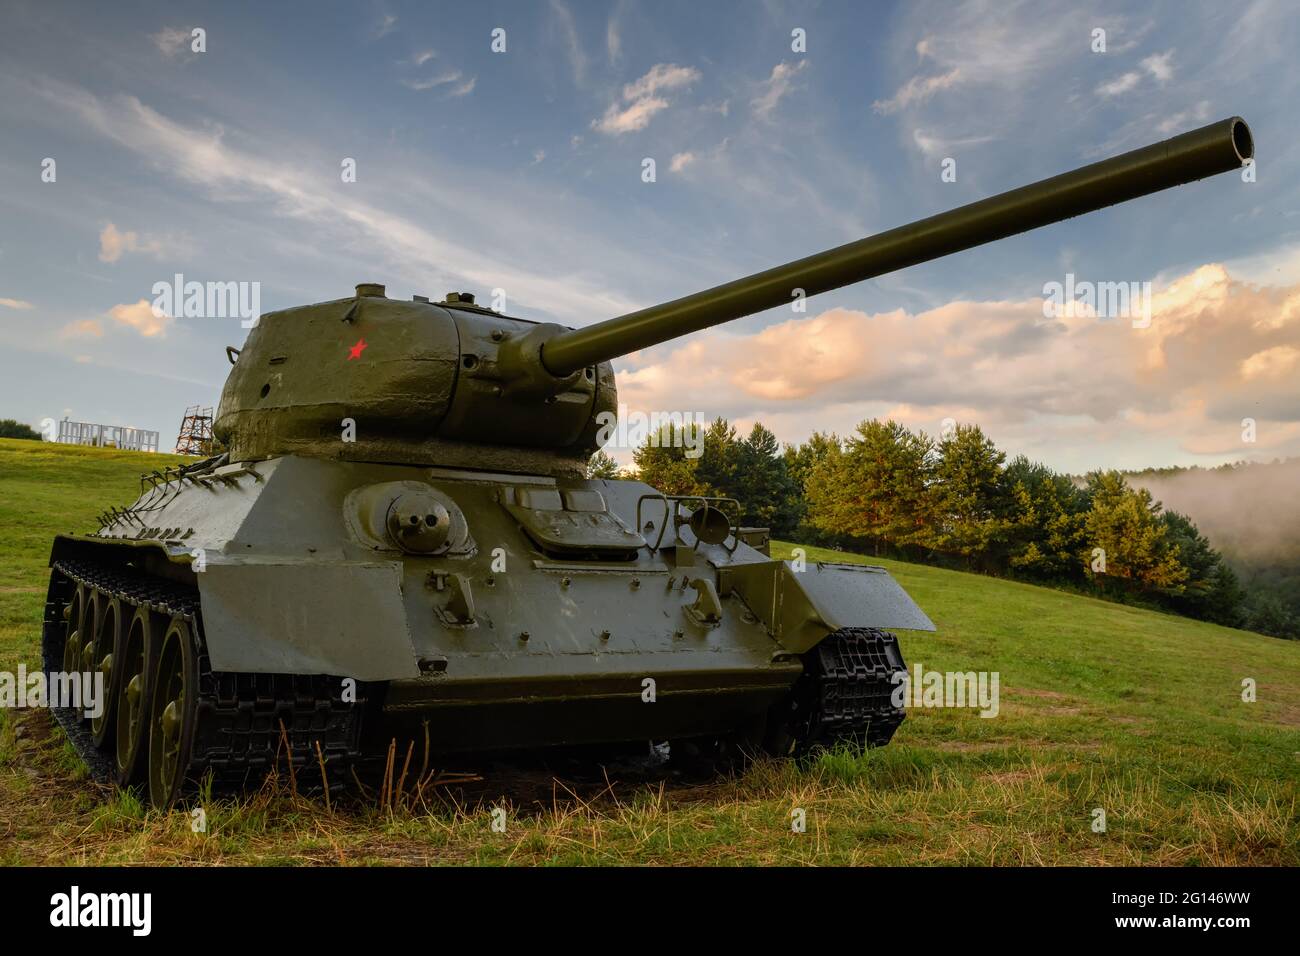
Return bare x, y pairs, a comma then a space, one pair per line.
970, 502
1124, 523
602, 465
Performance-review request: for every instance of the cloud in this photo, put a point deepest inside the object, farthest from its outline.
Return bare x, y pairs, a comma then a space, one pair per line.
85, 328
917, 90
423, 57
936, 146
775, 87
613, 41
462, 86
562, 23
1180, 121
1214, 353
113, 243
680, 161
141, 317
1159, 67
538, 156
641, 100
171, 41
387, 23
15, 303
199, 154
1279, 361
1121, 84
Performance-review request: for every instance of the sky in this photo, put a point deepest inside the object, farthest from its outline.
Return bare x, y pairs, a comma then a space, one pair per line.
523, 170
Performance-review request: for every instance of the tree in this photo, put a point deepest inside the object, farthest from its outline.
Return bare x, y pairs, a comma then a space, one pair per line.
1045, 530
1212, 591
602, 465
10, 428
970, 502
875, 487
662, 463
762, 482
717, 467
1124, 523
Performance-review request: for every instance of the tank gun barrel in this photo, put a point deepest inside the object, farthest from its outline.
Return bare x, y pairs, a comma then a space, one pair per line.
1216, 148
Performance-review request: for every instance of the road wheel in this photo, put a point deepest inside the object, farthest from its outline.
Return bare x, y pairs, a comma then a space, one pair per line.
172, 713
72, 643
108, 641
135, 677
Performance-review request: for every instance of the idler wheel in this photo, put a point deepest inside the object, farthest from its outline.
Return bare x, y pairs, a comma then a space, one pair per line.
172, 714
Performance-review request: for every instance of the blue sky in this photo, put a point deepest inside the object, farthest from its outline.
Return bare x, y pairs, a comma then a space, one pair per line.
522, 170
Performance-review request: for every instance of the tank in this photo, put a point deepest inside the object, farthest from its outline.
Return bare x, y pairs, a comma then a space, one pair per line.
400, 548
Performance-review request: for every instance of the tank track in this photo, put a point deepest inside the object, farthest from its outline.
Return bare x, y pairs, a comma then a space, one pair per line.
845, 693
238, 736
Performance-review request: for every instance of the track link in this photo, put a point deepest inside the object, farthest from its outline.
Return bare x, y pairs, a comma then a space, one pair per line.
845, 693
244, 720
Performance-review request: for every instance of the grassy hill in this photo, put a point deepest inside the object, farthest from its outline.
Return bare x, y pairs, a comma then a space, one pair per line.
1102, 706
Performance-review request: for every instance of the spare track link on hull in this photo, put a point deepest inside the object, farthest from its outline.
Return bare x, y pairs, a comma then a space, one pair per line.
238, 735
847, 691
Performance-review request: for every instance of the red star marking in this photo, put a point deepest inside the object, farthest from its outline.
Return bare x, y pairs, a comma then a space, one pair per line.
357, 349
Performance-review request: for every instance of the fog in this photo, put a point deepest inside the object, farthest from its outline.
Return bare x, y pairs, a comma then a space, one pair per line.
1249, 512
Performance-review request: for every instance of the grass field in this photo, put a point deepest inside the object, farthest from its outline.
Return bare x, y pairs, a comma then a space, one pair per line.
1103, 706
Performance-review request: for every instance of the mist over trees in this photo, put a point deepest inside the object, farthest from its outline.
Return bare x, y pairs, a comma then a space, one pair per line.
958, 502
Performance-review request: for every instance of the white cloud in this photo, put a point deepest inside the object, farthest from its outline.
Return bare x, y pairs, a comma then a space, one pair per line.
917, 90
641, 100
15, 303
387, 23
1121, 84
1159, 67
85, 328
199, 154
538, 156
1180, 121
613, 41
938, 146
113, 243
423, 57
442, 79
680, 161
563, 23
775, 87
464, 88
171, 41
1276, 362
142, 317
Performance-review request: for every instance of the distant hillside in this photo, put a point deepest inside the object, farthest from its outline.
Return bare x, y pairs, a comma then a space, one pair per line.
1251, 513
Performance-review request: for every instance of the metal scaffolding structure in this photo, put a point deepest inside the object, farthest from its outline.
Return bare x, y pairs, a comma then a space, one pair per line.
196, 431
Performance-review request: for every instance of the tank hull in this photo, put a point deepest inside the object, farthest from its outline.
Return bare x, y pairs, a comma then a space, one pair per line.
558, 612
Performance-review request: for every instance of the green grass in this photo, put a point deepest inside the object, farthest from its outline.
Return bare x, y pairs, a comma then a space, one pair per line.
1102, 706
